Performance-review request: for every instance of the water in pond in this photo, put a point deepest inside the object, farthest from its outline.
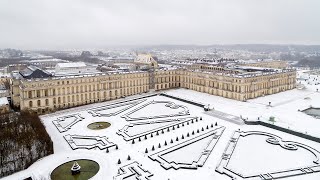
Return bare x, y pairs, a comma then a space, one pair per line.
88, 169
315, 112
99, 125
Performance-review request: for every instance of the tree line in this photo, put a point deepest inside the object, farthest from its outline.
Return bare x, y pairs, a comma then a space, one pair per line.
23, 140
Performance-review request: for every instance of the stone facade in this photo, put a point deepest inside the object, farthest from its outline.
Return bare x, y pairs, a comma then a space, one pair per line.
4, 79
50, 94
239, 87
268, 64
146, 59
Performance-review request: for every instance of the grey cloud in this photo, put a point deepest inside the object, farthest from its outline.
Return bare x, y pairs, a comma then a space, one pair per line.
46, 24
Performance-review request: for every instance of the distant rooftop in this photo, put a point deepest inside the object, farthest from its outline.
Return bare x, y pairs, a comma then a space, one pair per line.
44, 60
250, 68
71, 65
34, 72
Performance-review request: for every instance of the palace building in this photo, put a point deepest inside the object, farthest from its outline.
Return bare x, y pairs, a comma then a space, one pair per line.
267, 64
53, 93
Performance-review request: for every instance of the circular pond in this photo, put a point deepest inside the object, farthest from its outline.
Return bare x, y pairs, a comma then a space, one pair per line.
99, 125
88, 169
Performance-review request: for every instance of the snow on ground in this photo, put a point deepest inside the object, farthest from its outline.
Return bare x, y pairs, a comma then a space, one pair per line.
285, 106
256, 163
248, 156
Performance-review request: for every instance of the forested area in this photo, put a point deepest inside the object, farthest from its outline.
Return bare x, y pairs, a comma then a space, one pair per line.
23, 140
313, 62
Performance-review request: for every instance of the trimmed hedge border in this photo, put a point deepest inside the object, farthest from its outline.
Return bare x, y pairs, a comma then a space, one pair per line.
183, 100
272, 126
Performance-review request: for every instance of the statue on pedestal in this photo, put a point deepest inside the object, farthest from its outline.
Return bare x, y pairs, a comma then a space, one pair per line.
75, 169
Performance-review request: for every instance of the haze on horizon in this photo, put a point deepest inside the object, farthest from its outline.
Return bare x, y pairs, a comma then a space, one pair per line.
47, 24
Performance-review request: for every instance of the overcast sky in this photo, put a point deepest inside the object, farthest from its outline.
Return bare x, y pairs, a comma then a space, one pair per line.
44, 24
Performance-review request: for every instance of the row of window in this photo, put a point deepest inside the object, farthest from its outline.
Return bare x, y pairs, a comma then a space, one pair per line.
90, 96
87, 88
39, 103
82, 80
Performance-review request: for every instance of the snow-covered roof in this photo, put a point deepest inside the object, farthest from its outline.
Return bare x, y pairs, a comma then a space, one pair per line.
32, 72
71, 65
4, 75
65, 74
145, 58
45, 60
3, 101
255, 68
28, 71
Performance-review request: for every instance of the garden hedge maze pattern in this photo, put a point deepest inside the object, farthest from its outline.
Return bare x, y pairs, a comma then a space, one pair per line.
133, 169
88, 142
205, 143
272, 139
169, 106
156, 127
113, 109
65, 123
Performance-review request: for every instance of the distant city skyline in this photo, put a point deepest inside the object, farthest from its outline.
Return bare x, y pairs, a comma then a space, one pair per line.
59, 24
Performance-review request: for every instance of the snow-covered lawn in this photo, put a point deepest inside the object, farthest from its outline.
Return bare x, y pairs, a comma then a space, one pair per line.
254, 160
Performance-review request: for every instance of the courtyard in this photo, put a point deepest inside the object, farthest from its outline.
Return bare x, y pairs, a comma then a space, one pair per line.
169, 135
